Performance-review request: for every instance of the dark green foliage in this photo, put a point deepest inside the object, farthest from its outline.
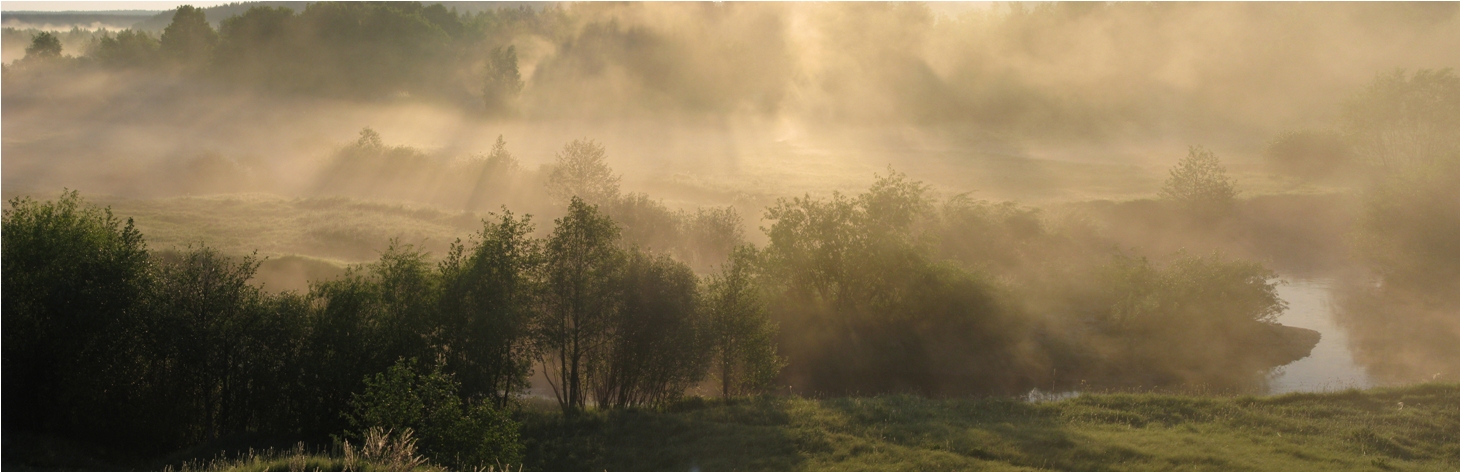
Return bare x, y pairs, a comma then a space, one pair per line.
486, 309
129, 48
364, 322
451, 432
865, 308
1192, 322
43, 46
370, 50
656, 346
373, 49
579, 301
207, 329
74, 281
189, 40
259, 47
739, 328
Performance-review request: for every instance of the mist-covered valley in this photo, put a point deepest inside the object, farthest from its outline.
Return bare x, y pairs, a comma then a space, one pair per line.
595, 207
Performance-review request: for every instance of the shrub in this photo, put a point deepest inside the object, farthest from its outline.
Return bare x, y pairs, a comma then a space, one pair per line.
1200, 184
452, 432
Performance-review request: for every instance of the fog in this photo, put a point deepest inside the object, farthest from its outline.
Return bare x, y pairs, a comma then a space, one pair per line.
1074, 112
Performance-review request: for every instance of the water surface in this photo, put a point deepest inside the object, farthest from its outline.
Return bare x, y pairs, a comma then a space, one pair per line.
1331, 365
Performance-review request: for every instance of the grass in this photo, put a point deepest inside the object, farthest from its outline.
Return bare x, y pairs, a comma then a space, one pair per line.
1413, 428
339, 229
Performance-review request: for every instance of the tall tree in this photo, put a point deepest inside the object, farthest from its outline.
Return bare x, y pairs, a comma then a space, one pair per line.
43, 46
740, 330
189, 39
503, 82
579, 299
1200, 184
203, 309
486, 309
581, 171
655, 348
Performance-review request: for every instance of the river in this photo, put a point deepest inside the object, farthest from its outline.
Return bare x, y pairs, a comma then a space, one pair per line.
1331, 365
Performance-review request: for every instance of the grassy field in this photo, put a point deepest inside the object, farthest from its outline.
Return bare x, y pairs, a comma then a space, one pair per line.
1409, 428
1413, 428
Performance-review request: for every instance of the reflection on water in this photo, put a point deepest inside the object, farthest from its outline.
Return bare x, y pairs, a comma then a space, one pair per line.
1331, 365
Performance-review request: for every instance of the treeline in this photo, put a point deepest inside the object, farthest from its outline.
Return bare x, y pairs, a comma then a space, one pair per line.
352, 49
891, 290
370, 168
996, 73
120, 345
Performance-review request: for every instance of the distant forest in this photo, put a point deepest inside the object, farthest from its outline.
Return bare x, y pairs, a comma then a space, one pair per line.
995, 72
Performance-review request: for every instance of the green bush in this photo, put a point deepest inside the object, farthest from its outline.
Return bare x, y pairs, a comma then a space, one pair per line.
451, 432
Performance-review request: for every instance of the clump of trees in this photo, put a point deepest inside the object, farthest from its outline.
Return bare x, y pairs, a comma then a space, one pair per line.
156, 351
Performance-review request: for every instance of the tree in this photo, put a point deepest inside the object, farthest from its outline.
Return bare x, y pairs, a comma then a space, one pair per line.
740, 330
189, 39
654, 349
201, 317
130, 48
579, 299
362, 323
73, 283
43, 46
494, 175
1406, 122
1198, 320
580, 171
1200, 184
486, 309
503, 82
709, 236
261, 47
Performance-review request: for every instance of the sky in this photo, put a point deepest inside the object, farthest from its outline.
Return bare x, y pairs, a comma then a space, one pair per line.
100, 6
159, 6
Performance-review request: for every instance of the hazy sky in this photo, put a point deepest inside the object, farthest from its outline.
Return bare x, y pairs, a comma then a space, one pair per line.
99, 6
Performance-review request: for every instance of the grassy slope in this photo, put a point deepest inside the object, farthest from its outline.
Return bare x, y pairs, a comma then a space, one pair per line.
1348, 430
341, 229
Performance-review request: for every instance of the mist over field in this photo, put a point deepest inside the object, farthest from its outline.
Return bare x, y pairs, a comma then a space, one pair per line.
285, 214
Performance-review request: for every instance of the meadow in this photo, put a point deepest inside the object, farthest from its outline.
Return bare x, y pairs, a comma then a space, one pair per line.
1409, 428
